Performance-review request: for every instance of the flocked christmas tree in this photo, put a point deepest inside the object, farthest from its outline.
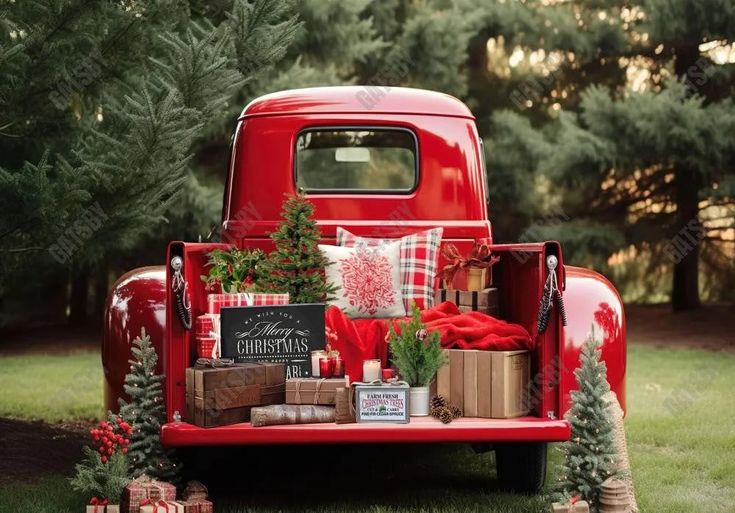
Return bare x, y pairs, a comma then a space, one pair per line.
297, 265
145, 413
589, 455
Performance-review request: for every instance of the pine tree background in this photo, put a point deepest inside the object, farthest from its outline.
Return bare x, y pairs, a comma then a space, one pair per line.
297, 265
146, 413
589, 455
606, 126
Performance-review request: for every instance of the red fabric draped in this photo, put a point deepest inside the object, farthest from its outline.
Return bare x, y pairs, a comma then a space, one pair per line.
362, 339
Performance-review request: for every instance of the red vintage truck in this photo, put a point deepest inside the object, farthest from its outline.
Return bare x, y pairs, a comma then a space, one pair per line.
379, 162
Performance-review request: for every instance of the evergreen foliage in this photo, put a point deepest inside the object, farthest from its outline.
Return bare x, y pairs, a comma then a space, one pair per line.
416, 352
629, 108
297, 265
146, 413
235, 270
96, 478
106, 103
589, 455
103, 471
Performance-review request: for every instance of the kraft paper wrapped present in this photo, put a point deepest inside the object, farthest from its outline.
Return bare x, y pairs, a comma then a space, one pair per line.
573, 506
215, 302
97, 505
314, 390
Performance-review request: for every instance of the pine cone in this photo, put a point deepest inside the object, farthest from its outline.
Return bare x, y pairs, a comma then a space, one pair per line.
435, 411
438, 401
456, 411
559, 300
445, 415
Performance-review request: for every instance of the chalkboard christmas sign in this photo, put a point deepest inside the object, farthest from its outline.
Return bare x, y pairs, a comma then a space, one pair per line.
278, 333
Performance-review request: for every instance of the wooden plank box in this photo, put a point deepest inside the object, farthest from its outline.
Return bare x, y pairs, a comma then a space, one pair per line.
486, 384
314, 390
225, 395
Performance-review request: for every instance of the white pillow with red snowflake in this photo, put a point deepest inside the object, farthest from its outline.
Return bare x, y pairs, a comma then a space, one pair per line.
367, 279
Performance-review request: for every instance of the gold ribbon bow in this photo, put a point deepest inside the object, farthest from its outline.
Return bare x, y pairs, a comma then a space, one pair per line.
480, 257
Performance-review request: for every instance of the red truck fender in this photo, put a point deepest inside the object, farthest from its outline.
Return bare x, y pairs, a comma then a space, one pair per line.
591, 299
137, 300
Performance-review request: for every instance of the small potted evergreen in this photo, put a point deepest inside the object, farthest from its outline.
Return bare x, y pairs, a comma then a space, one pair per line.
418, 355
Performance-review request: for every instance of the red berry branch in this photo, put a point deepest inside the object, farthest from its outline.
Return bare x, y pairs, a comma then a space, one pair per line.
111, 436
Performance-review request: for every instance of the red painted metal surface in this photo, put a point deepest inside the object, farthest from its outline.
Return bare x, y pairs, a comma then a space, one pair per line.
451, 194
451, 189
357, 100
419, 430
137, 300
590, 300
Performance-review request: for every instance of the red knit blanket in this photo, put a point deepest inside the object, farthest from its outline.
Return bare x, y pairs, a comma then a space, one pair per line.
362, 339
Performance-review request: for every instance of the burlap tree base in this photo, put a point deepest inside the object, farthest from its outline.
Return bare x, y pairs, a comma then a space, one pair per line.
622, 463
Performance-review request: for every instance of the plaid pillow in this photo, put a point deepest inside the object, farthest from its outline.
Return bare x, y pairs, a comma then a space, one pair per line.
419, 262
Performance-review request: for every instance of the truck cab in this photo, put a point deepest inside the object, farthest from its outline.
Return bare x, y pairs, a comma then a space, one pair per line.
385, 167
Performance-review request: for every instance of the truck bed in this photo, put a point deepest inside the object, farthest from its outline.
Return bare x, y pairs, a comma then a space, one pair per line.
419, 430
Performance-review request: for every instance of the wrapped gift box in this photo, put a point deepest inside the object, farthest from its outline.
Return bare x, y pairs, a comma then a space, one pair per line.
215, 302
485, 301
218, 396
206, 324
314, 390
207, 347
143, 488
569, 507
487, 384
100, 506
162, 506
198, 506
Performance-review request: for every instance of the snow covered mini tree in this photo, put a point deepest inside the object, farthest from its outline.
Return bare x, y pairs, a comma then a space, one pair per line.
297, 265
145, 413
589, 455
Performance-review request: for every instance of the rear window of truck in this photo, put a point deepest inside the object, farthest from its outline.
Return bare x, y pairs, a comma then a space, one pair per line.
360, 160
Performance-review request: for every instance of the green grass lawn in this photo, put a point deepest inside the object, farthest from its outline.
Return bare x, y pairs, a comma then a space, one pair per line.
51, 388
680, 436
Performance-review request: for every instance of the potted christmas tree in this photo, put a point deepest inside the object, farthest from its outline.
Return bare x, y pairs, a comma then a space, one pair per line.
296, 265
589, 455
418, 355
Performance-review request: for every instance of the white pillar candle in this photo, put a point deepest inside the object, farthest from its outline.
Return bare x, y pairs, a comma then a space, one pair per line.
370, 370
315, 356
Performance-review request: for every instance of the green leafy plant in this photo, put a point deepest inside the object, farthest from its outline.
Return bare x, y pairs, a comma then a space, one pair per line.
416, 352
103, 472
236, 270
297, 265
589, 455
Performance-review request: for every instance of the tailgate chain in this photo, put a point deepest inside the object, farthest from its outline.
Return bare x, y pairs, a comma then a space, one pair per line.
180, 289
551, 295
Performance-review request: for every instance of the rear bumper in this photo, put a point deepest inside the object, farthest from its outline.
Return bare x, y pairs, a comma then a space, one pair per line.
420, 430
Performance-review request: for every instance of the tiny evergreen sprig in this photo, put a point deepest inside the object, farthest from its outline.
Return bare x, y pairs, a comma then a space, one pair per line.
146, 413
589, 455
297, 265
236, 270
416, 352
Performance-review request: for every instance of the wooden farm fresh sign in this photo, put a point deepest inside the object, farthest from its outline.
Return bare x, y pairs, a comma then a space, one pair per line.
279, 333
